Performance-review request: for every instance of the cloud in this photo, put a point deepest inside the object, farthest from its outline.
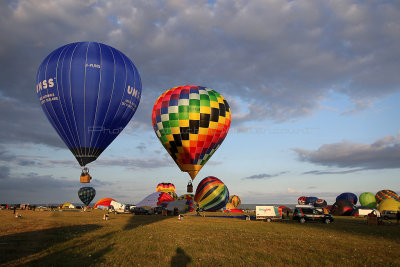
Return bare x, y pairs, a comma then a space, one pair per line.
263, 176
24, 123
35, 188
317, 172
135, 163
4, 172
384, 153
141, 147
279, 59
30, 187
292, 190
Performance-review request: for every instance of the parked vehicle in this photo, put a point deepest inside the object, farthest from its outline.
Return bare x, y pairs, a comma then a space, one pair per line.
363, 212
118, 207
310, 214
268, 213
141, 211
388, 214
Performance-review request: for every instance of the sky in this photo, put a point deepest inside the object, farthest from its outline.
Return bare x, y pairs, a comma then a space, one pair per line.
313, 87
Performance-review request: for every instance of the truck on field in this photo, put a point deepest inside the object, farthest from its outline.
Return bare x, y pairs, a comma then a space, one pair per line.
268, 213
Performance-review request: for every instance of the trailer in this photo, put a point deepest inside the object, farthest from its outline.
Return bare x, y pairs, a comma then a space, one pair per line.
363, 212
268, 213
118, 207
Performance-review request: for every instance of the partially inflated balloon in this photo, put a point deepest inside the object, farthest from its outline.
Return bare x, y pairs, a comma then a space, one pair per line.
386, 194
367, 199
165, 187
105, 202
191, 123
89, 92
342, 207
155, 199
211, 194
347, 196
235, 200
389, 204
86, 195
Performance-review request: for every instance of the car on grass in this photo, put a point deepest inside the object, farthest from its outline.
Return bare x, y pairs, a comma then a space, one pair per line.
141, 211
311, 214
388, 214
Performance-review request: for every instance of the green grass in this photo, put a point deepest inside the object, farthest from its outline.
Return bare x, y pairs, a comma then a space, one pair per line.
84, 239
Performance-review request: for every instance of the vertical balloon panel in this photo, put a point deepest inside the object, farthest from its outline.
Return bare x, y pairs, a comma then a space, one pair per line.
89, 92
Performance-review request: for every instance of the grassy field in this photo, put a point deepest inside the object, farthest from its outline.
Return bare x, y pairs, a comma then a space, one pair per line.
44, 238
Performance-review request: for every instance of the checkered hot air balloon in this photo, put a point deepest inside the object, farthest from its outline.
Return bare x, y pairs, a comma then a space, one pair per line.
86, 195
235, 200
191, 123
211, 194
385, 194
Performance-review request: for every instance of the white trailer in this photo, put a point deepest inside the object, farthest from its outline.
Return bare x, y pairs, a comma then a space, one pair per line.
118, 207
268, 213
363, 212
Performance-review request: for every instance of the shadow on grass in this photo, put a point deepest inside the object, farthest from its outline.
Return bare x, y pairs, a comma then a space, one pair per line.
180, 259
141, 220
358, 227
69, 257
21, 245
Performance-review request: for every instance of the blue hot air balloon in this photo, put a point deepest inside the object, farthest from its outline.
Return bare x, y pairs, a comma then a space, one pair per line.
86, 195
89, 92
347, 196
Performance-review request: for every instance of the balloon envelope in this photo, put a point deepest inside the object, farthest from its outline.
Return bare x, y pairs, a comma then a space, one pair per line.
89, 92
104, 202
191, 123
235, 200
311, 200
385, 194
342, 207
157, 198
389, 204
347, 196
165, 187
86, 195
285, 209
367, 199
302, 200
211, 194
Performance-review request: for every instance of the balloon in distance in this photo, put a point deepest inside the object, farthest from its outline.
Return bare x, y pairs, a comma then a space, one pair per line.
367, 199
342, 207
165, 187
191, 123
211, 194
86, 195
389, 204
235, 200
348, 196
156, 199
89, 92
385, 194
104, 202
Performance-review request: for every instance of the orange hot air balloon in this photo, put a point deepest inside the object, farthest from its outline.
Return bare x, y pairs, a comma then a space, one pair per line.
191, 122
